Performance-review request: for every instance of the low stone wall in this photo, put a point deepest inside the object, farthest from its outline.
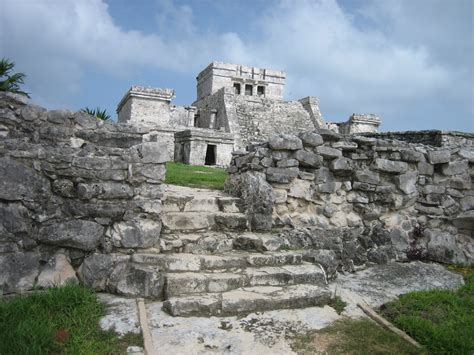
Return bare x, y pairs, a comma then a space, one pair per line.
389, 199
74, 188
436, 138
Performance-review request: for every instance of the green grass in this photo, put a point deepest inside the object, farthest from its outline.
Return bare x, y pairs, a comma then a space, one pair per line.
442, 320
61, 320
349, 336
195, 176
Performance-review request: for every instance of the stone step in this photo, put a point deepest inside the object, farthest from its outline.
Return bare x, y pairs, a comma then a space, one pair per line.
184, 262
186, 199
248, 299
177, 284
202, 221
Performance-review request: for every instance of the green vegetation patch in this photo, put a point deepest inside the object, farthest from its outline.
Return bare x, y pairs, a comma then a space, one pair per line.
59, 320
349, 336
442, 320
195, 176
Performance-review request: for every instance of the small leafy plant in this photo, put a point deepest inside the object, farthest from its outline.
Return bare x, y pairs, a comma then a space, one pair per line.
9, 81
97, 112
415, 250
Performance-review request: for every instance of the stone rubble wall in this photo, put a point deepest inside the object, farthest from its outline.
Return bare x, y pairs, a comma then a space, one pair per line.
360, 196
72, 188
437, 138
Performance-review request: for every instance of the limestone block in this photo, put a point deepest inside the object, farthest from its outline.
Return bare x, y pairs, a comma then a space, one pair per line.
282, 175
329, 187
33, 113
154, 173
80, 234
280, 195
467, 154
339, 219
15, 219
355, 197
303, 175
407, 182
465, 220
467, 203
455, 167
266, 162
389, 166
284, 142
454, 193
301, 189
57, 271
18, 271
461, 182
137, 280
443, 247
136, 233
353, 220
342, 165
367, 176
20, 182
425, 168
362, 186
329, 135
287, 163
311, 139
439, 156
323, 175
328, 152
434, 189
151, 152
308, 159
96, 269
104, 190
345, 145
412, 156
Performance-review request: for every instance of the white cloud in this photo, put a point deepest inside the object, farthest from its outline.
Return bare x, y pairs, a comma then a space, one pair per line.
383, 65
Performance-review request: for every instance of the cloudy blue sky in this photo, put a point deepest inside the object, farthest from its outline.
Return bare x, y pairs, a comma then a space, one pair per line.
410, 61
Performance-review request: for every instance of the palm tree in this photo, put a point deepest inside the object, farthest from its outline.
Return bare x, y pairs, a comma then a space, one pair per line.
10, 82
96, 112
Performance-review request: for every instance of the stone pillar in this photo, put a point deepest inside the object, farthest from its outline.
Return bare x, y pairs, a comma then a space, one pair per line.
212, 120
191, 114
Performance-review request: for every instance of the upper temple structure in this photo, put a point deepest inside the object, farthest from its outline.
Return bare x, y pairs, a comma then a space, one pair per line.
236, 105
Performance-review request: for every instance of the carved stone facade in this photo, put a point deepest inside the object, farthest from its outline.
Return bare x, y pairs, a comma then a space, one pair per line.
242, 104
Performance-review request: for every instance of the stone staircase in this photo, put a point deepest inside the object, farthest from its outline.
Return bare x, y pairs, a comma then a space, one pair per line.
212, 266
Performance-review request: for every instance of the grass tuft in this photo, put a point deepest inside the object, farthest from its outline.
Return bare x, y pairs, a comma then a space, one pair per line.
442, 320
59, 320
349, 336
195, 176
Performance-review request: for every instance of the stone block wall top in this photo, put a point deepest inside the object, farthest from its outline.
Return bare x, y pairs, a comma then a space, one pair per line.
218, 75
161, 94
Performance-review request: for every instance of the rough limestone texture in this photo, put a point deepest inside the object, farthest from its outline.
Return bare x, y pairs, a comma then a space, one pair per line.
366, 199
73, 187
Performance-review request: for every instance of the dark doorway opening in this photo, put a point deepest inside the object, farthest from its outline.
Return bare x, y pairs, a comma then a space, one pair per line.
210, 155
248, 89
237, 88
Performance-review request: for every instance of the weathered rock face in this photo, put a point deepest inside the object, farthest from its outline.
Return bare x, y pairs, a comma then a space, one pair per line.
71, 185
392, 197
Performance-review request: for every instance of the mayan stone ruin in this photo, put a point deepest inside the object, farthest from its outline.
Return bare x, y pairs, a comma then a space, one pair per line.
235, 106
85, 200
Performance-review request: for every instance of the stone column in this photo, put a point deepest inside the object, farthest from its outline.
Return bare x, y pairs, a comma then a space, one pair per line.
212, 120
191, 114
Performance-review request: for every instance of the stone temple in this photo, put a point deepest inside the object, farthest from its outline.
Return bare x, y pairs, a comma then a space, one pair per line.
236, 106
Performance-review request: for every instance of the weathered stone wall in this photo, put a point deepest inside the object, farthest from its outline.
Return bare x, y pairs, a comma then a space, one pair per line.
437, 138
74, 188
379, 194
252, 119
